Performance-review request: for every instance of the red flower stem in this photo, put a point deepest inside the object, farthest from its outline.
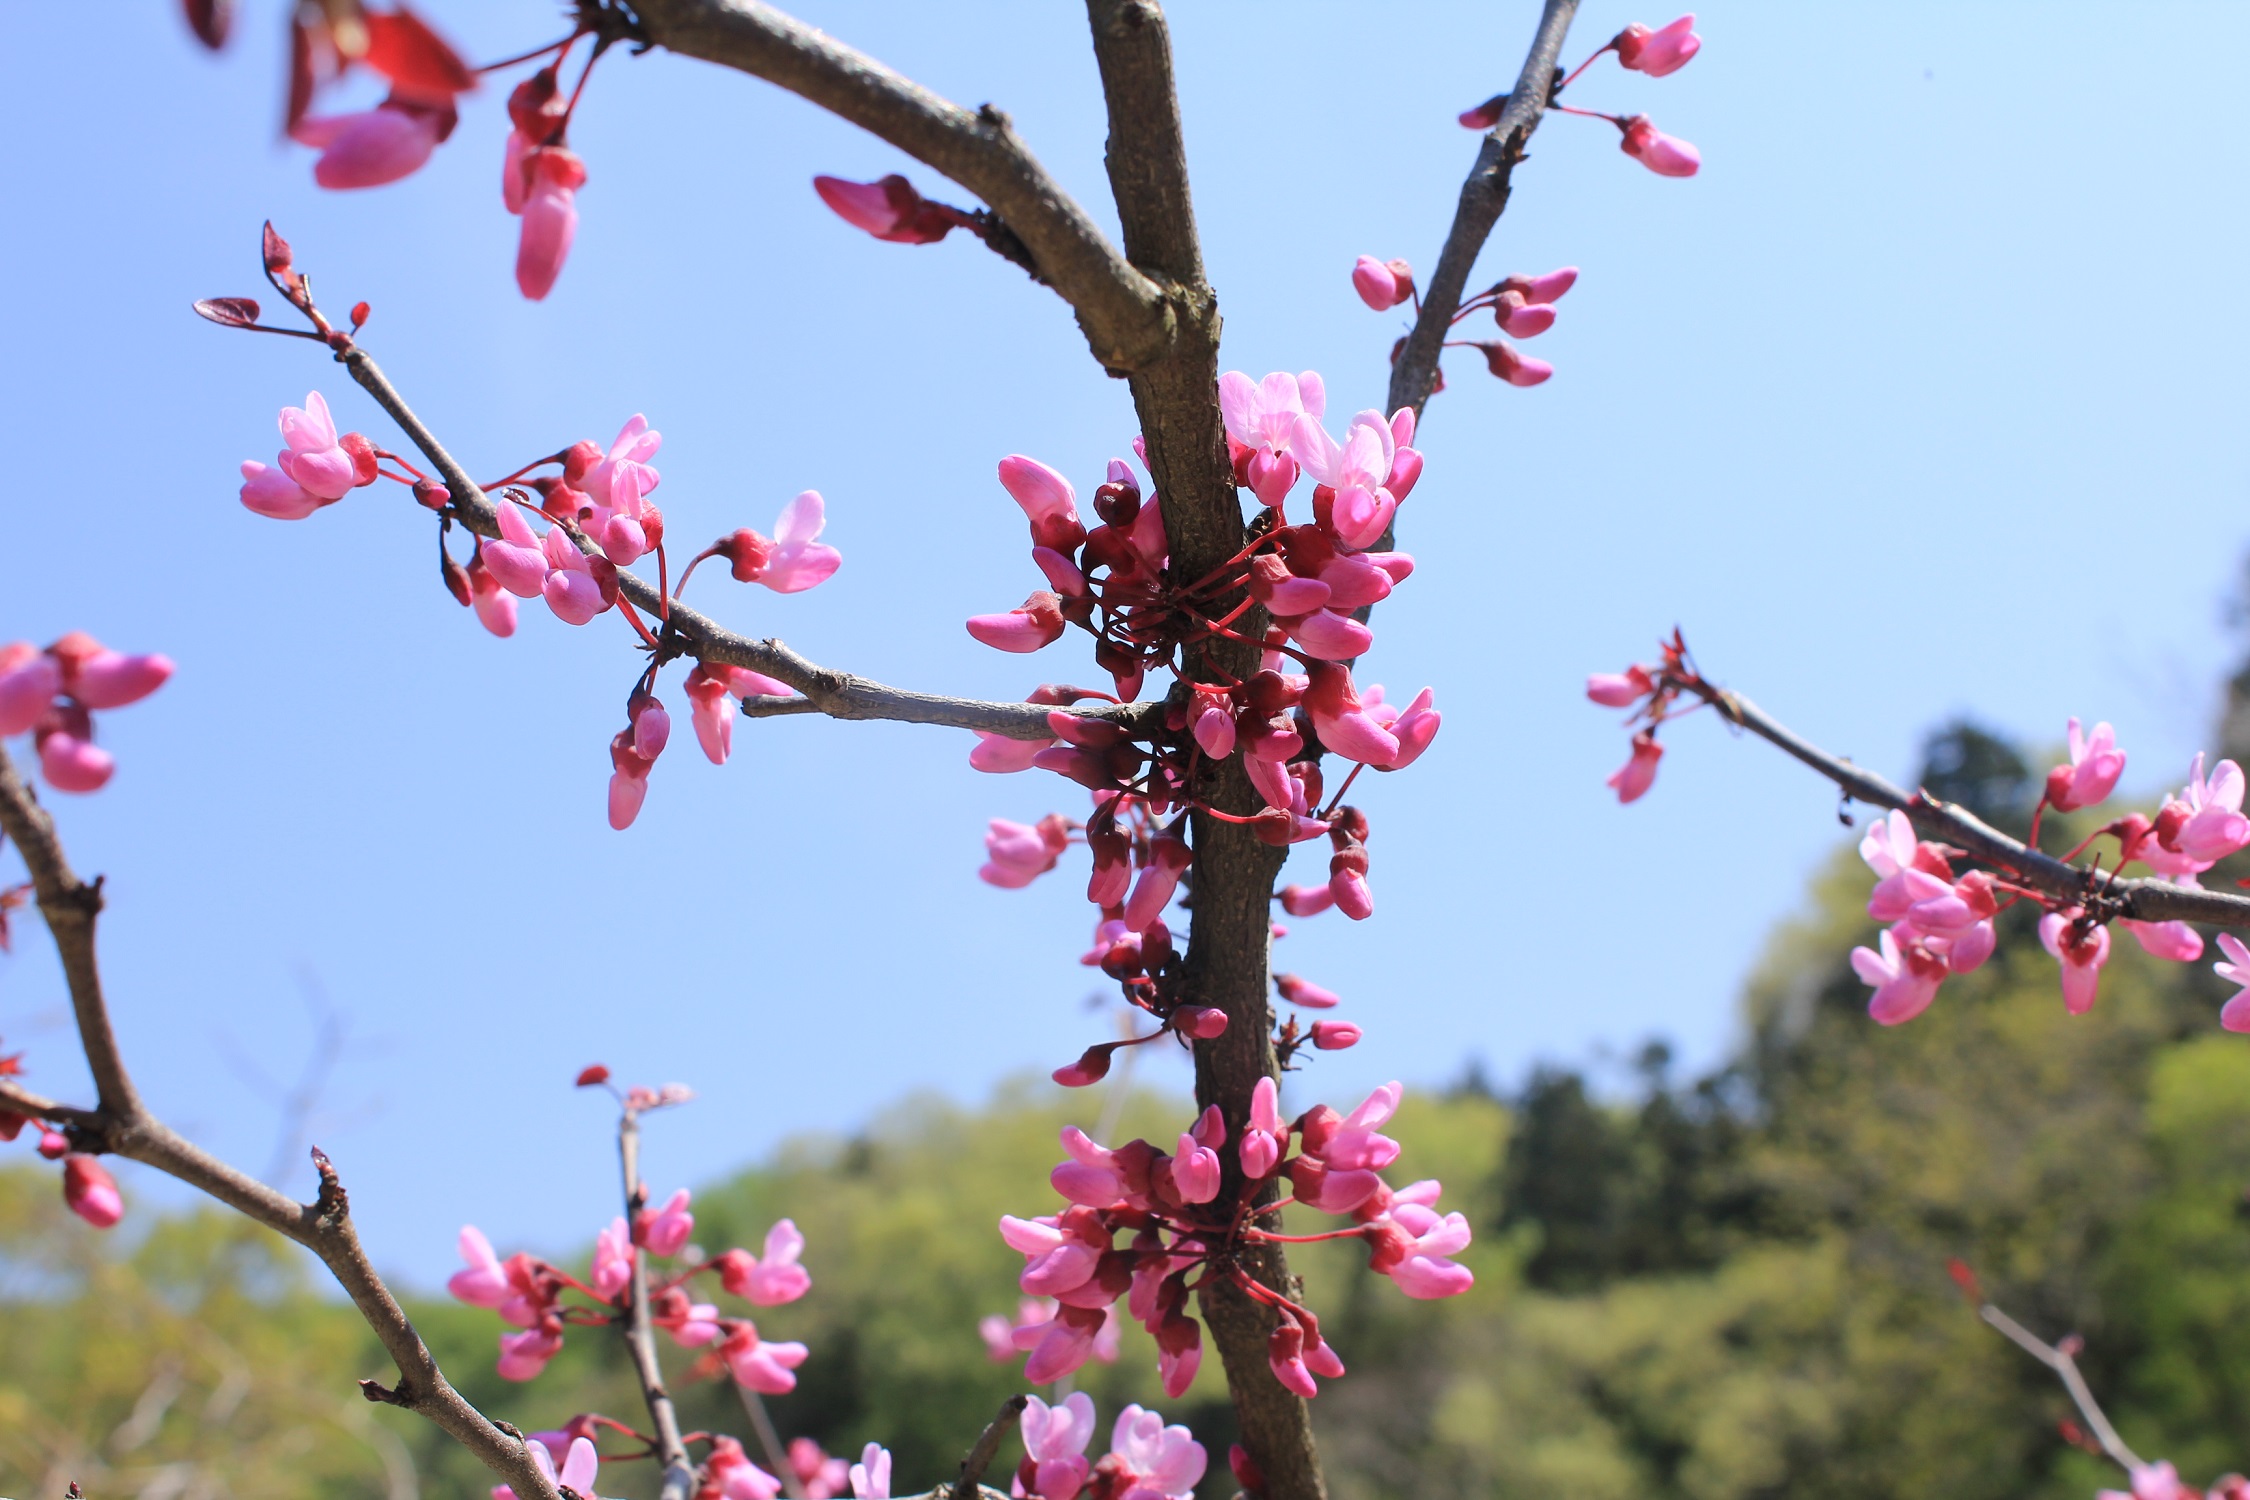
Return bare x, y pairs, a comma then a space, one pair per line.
1347, 786
626, 607
1304, 1239
509, 62
1582, 67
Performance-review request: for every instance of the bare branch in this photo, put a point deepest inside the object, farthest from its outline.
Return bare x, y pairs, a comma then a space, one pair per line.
1950, 823
123, 1126
2065, 1367
640, 1332
987, 1444
1483, 198
840, 695
1126, 316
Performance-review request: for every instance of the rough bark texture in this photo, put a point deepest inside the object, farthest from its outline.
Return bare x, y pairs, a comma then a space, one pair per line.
1233, 876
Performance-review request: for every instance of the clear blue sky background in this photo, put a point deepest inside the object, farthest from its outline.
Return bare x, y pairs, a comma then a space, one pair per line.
1925, 395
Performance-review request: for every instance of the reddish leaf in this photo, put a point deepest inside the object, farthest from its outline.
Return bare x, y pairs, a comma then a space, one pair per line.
360, 311
415, 59
1965, 1279
278, 257
594, 1075
301, 77
210, 20
229, 312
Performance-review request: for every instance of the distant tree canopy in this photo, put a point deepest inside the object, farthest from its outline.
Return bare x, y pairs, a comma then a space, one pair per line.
1723, 1288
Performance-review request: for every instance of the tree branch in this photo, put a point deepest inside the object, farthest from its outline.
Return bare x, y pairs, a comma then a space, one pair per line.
1126, 316
640, 1333
1483, 198
1950, 823
840, 695
123, 1126
2060, 1361
987, 1444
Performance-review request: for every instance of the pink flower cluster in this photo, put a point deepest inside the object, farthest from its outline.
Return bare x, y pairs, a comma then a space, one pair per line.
1184, 1223
2161, 1481
52, 694
88, 1189
315, 467
1940, 923
1522, 305
529, 1293
1146, 1460
1639, 49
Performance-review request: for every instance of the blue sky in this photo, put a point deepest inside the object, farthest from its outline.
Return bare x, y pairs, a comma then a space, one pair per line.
1923, 397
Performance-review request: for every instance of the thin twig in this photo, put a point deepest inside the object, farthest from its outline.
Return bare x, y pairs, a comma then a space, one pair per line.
1947, 822
761, 1422
1484, 196
640, 1332
987, 1444
123, 1126
2065, 1368
840, 695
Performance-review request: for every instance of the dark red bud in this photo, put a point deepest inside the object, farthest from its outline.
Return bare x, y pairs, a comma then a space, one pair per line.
456, 579
431, 495
365, 468
1318, 1126
2169, 821
1274, 826
277, 252
578, 458
1387, 1245
1350, 823
1118, 503
605, 578
2058, 787
360, 314
1246, 1471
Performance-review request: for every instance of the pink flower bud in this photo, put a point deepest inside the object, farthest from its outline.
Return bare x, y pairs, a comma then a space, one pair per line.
91, 1192
1620, 689
1512, 365
550, 218
1299, 991
1036, 623
1306, 900
1382, 285
1659, 52
1666, 156
1638, 773
1519, 317
1334, 1036
1485, 115
1201, 1021
890, 209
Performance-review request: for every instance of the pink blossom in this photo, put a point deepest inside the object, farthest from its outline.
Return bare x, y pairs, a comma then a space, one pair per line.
374, 146
1262, 419
1016, 854
2095, 765
1357, 469
30, 681
1305, 900
1420, 1266
729, 1473
2176, 941
613, 1260
1299, 991
1064, 1344
1335, 1036
1002, 754
1662, 154
1905, 984
313, 470
664, 1231
1049, 502
2158, 1481
2201, 826
794, 559
1054, 1439
1159, 1461
1356, 1146
570, 587
623, 524
523, 1355
495, 606
1195, 1167
1656, 53
1620, 689
91, 1192
553, 175
712, 692
68, 757
764, 1366
773, 1279
1910, 873
1382, 285
1168, 859
1030, 626
1631, 780
1414, 726
2081, 953
581, 1464
871, 1476
2235, 970
691, 1324
1521, 318
485, 1283
1265, 1137
1344, 725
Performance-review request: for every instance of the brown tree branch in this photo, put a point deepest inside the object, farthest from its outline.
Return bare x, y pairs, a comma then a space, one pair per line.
1127, 317
1233, 874
640, 1333
1483, 198
1950, 823
122, 1125
840, 695
987, 1444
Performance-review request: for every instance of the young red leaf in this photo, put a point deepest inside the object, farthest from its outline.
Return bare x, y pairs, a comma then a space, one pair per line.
229, 312
416, 59
277, 252
596, 1074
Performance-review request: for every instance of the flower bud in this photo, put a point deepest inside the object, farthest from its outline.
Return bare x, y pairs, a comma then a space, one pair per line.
1334, 1036
91, 1192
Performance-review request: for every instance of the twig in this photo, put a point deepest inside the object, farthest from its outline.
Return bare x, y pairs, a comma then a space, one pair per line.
640, 1333
122, 1125
1483, 198
2066, 1369
1946, 822
761, 1422
987, 1444
840, 695
1127, 316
